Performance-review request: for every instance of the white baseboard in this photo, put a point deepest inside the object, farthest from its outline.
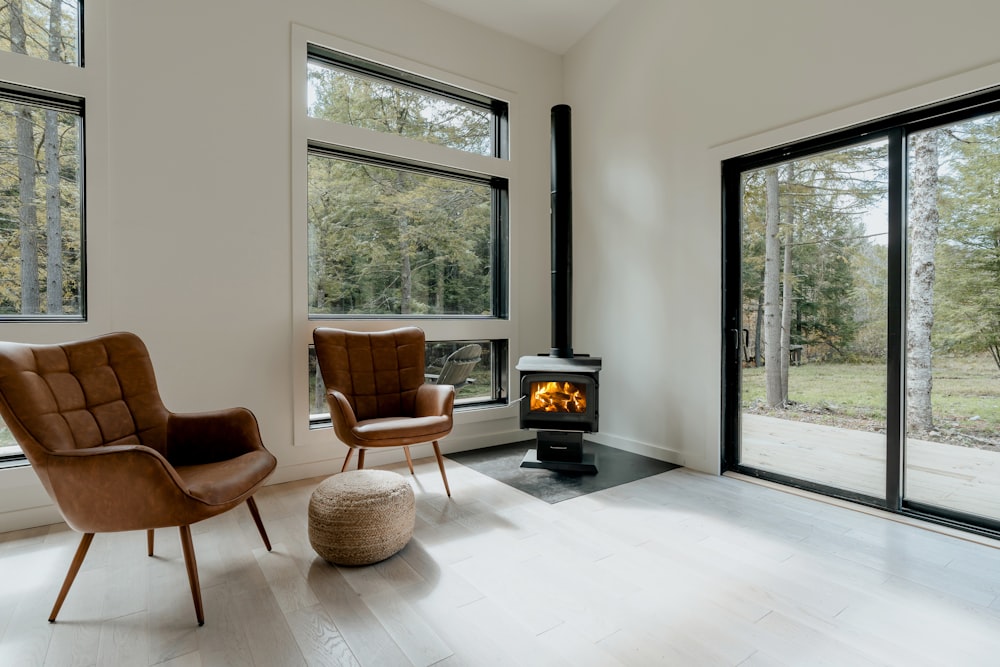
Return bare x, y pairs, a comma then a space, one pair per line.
636, 447
31, 517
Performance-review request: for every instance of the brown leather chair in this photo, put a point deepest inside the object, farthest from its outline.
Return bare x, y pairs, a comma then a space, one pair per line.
376, 392
89, 418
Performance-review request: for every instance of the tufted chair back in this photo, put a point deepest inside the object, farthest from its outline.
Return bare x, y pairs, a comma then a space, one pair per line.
379, 373
89, 393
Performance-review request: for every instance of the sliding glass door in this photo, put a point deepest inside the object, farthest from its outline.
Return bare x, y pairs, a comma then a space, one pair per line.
952, 460
813, 318
862, 313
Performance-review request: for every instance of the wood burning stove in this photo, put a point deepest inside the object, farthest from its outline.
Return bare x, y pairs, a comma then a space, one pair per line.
559, 390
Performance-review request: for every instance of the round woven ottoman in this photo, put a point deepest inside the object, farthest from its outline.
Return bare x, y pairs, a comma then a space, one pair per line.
360, 517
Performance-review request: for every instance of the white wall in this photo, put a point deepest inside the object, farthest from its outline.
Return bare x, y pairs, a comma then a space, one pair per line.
196, 245
661, 92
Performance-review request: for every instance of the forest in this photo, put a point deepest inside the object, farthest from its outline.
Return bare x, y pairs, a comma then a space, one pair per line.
391, 238
815, 281
41, 222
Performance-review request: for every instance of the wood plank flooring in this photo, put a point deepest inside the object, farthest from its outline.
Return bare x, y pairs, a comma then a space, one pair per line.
677, 569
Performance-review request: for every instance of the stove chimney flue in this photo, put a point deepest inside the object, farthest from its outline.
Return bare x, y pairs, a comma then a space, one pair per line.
561, 212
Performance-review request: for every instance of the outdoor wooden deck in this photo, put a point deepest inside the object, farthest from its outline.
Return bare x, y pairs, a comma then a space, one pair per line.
958, 478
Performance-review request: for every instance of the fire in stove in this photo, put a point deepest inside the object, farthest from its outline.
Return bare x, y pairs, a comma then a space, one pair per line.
557, 397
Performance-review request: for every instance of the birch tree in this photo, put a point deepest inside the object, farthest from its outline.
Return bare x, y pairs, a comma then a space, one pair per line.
772, 298
922, 221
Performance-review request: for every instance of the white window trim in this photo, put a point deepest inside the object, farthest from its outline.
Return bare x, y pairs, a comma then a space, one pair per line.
305, 129
89, 83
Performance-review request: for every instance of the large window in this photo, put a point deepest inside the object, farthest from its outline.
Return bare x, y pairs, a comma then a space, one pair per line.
404, 175
41, 184
397, 237
861, 302
387, 239
41, 199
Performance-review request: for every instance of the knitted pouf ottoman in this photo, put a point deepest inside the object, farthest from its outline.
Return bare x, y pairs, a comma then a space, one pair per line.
360, 517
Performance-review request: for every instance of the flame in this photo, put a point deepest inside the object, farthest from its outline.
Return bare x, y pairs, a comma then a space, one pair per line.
557, 397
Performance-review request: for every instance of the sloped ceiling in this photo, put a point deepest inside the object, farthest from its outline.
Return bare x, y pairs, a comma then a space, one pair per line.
554, 25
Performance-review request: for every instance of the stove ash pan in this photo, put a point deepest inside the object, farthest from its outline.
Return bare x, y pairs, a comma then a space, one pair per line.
559, 394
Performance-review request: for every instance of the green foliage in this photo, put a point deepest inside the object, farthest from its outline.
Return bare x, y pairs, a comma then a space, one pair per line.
387, 239
838, 291
361, 101
37, 15
967, 286
69, 204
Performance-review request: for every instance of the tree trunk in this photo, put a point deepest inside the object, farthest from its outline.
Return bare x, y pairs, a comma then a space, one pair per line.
772, 307
26, 171
405, 273
53, 210
923, 228
439, 293
786, 312
758, 357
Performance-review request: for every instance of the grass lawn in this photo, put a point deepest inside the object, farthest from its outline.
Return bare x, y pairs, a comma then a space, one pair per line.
965, 398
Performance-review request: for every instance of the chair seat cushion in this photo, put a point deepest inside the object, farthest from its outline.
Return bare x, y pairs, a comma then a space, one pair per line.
390, 431
225, 481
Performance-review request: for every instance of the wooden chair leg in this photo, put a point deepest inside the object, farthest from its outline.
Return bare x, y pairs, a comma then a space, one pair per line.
409, 461
347, 459
252, 504
361, 459
192, 570
81, 553
437, 453
149, 542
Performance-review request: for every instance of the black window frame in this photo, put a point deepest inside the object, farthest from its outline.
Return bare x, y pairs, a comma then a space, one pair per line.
895, 128
63, 103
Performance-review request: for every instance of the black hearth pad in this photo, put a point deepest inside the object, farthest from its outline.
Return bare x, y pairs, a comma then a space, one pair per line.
615, 467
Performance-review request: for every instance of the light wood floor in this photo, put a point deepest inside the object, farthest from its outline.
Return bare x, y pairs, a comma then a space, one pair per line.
677, 569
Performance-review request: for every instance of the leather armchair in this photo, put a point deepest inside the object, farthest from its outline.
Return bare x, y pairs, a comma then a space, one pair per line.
377, 395
89, 418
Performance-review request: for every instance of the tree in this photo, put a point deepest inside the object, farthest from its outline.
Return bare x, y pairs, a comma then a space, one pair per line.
26, 174
967, 317
923, 228
394, 239
53, 199
776, 394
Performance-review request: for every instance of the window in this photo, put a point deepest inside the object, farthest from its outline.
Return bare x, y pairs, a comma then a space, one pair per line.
41, 199
47, 30
861, 292
392, 237
41, 185
402, 218
387, 239
364, 94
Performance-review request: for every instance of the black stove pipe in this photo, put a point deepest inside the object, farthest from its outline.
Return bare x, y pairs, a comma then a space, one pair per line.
561, 212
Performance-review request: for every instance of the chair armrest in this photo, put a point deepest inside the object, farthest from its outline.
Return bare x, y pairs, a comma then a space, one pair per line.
342, 415
114, 488
434, 400
206, 437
